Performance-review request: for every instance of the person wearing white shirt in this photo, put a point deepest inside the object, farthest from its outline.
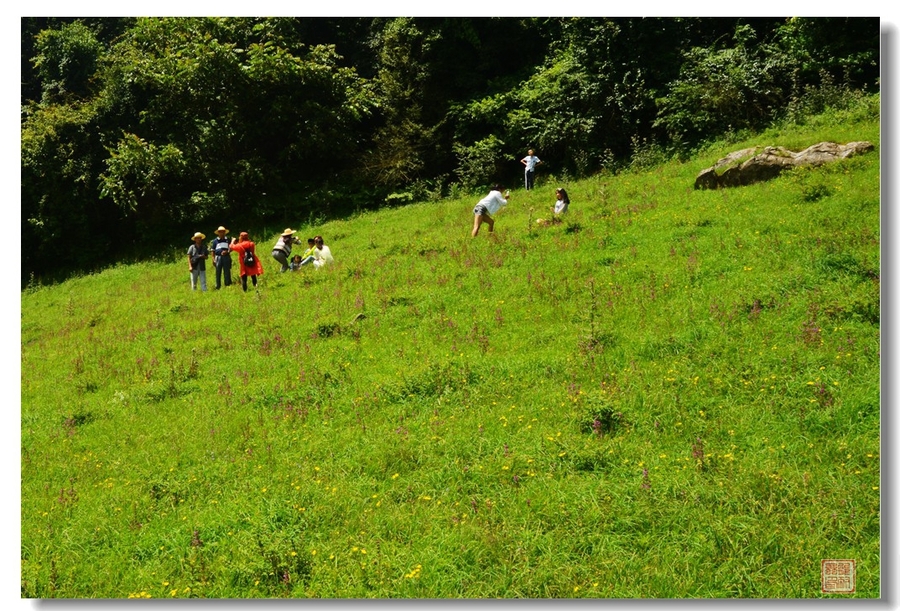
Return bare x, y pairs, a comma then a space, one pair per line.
530, 161
562, 201
486, 207
322, 253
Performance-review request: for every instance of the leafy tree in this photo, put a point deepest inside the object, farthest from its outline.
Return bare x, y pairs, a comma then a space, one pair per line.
66, 61
103, 29
592, 97
725, 89
61, 157
846, 48
767, 69
428, 70
404, 140
480, 163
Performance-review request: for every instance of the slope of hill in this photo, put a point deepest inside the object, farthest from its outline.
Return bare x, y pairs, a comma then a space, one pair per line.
671, 393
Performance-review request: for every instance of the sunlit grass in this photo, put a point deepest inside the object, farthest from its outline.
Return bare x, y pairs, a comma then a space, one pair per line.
672, 393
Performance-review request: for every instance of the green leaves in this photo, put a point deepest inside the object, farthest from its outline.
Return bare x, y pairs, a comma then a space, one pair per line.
137, 171
478, 164
66, 61
719, 91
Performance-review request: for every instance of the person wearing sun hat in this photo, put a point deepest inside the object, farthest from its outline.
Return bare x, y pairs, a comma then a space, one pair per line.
197, 255
282, 250
241, 245
221, 257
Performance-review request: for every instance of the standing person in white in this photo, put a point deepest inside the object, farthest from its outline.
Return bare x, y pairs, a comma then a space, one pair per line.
530, 161
486, 207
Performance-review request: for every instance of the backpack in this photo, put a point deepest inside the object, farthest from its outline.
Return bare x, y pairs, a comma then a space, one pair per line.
196, 255
249, 259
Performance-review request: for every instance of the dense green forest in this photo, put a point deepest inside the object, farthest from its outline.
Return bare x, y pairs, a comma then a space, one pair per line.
137, 131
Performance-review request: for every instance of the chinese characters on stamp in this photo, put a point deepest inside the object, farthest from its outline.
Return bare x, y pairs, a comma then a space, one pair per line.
839, 576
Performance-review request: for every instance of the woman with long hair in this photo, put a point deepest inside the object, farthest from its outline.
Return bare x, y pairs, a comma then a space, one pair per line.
562, 201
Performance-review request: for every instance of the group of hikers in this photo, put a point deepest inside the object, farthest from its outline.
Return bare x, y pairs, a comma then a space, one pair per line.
317, 254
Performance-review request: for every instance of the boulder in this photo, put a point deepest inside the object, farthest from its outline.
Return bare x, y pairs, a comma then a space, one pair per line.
757, 164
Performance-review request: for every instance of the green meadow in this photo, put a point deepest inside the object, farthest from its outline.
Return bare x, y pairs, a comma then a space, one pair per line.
669, 394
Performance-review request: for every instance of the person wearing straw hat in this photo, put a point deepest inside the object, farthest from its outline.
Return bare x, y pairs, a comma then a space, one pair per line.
197, 255
282, 250
241, 245
221, 257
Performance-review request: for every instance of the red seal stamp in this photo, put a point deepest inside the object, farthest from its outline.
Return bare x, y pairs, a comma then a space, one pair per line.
838, 576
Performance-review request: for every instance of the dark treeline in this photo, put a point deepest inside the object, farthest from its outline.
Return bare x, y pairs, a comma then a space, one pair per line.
138, 131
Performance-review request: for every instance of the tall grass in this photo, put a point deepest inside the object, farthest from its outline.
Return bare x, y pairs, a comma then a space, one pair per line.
671, 394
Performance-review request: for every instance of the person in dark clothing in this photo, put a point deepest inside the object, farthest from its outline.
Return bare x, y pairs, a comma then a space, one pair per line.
221, 257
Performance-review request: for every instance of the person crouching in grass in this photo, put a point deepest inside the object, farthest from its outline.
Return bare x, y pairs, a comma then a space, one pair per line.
489, 205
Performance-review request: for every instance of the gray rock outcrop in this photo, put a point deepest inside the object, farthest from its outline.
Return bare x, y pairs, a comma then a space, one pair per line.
757, 164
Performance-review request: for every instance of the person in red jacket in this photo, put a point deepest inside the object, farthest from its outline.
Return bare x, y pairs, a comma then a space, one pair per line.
241, 246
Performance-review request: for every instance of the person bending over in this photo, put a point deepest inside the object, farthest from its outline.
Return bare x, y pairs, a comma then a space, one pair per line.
489, 205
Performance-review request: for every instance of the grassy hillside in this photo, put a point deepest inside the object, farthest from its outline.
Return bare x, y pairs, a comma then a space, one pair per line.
673, 393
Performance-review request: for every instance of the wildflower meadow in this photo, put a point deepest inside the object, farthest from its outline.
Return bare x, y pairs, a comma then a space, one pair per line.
669, 393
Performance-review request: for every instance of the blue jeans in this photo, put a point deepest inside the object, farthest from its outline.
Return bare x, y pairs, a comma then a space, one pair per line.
223, 267
306, 261
198, 274
529, 180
